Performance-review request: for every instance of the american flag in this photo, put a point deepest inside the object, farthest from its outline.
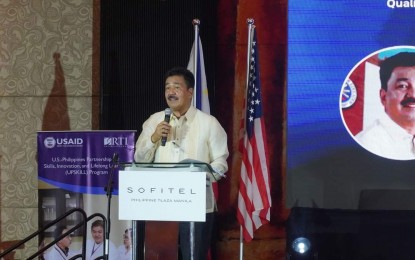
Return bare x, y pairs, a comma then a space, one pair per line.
254, 199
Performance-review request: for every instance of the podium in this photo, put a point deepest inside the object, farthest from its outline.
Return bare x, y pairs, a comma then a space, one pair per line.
162, 195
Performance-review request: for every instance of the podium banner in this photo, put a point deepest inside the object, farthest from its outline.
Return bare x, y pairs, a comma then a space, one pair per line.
162, 195
74, 168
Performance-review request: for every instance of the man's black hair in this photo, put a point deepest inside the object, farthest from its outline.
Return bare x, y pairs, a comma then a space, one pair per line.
402, 59
97, 223
58, 231
180, 71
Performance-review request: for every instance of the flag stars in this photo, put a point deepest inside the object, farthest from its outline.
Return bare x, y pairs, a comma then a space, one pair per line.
253, 96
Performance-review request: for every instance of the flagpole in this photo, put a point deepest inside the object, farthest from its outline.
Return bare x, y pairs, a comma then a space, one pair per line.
250, 22
241, 243
196, 23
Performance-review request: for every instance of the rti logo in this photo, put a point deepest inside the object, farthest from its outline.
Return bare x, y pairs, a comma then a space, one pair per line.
115, 141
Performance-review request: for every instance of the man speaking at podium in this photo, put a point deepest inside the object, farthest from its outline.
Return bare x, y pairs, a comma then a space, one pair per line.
187, 134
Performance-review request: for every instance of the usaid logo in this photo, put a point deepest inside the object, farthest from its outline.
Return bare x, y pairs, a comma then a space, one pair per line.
49, 142
115, 141
69, 141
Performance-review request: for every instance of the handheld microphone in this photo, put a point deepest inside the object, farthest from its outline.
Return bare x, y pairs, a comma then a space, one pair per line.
167, 114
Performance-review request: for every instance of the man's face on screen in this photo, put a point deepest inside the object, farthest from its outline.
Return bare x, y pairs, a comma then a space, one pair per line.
66, 241
98, 234
399, 99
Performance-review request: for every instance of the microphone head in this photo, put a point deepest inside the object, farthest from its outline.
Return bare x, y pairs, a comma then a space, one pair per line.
167, 111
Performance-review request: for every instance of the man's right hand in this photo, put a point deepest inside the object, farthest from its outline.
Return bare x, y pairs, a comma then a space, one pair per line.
162, 129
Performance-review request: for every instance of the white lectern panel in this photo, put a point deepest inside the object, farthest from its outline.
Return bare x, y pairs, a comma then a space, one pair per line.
170, 194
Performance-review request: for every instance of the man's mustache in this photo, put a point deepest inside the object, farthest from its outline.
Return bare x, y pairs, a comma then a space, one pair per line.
172, 97
408, 101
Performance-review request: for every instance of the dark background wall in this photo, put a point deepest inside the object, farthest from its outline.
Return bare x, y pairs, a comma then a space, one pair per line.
140, 41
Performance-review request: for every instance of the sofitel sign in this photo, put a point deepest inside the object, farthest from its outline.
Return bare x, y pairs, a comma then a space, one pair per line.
159, 190
149, 194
